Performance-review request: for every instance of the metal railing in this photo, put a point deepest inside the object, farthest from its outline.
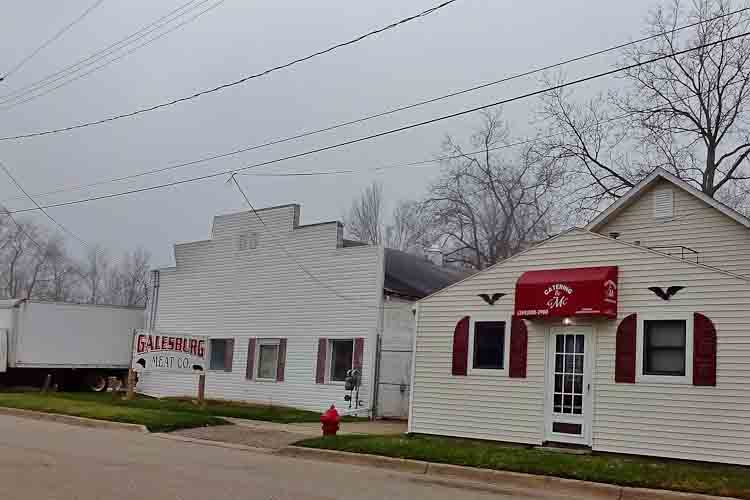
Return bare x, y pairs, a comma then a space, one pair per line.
680, 251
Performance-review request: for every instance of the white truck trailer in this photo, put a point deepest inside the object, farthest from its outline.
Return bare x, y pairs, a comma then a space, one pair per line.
79, 345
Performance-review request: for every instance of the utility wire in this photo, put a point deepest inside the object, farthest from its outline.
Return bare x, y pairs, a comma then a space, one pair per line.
57, 35
381, 114
289, 256
392, 131
95, 55
19, 101
58, 224
236, 82
415, 163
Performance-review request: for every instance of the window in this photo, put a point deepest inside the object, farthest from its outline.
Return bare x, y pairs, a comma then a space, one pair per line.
219, 353
489, 345
247, 241
663, 203
664, 347
268, 359
342, 354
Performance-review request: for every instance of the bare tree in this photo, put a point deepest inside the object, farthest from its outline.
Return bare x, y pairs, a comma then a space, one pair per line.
485, 208
94, 273
62, 274
409, 229
364, 222
126, 282
687, 113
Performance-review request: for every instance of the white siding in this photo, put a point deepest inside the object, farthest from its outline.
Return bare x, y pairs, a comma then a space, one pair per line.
701, 423
395, 358
720, 241
222, 292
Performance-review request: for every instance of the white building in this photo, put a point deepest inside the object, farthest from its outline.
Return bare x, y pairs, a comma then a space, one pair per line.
288, 309
581, 346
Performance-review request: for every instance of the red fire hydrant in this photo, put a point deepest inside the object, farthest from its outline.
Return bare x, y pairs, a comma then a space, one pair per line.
330, 420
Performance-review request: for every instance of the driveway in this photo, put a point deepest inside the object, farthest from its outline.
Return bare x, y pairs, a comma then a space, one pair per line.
47, 460
274, 436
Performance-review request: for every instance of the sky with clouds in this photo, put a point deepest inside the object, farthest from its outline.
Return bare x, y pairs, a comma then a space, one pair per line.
462, 45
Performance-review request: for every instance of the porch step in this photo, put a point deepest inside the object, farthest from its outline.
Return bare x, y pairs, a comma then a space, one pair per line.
560, 448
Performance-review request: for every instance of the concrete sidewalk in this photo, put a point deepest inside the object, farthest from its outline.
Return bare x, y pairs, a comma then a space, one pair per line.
274, 436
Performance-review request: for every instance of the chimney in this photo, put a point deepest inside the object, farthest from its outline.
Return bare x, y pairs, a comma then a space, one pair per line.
435, 255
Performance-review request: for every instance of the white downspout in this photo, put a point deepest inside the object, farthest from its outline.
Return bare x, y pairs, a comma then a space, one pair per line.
410, 421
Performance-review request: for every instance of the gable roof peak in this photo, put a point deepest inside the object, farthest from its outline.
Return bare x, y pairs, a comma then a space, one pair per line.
660, 174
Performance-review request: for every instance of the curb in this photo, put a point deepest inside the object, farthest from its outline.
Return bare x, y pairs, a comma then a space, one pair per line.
515, 482
71, 420
208, 442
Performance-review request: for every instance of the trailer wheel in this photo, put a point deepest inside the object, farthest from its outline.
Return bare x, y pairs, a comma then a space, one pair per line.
97, 382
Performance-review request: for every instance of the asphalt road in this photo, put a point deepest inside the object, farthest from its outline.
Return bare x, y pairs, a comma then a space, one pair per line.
42, 460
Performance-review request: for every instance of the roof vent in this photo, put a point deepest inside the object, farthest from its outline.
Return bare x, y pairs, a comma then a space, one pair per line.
614, 235
663, 204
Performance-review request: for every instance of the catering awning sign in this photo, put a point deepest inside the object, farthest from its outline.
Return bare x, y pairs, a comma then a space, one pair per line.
155, 351
584, 291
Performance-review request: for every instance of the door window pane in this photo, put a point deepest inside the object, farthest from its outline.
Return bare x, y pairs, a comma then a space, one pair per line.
342, 352
268, 360
664, 347
489, 345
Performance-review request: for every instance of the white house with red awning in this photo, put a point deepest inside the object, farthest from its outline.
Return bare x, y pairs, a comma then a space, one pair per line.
628, 336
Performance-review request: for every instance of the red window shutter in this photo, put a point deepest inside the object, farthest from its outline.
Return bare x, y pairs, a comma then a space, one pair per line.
320, 371
359, 351
625, 355
519, 342
250, 368
229, 355
704, 351
461, 347
281, 364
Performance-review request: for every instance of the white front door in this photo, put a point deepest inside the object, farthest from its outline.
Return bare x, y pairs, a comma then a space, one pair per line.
568, 400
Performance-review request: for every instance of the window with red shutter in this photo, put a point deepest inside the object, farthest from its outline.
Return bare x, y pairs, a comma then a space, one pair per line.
281, 361
519, 341
320, 368
626, 351
229, 355
250, 367
359, 351
704, 351
461, 347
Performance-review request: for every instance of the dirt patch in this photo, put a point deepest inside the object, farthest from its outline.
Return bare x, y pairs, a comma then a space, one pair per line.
248, 436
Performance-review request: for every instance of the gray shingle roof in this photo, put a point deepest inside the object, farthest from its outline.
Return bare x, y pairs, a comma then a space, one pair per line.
412, 276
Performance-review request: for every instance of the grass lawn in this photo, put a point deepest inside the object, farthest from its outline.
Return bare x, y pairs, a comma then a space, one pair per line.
218, 408
158, 415
104, 407
712, 479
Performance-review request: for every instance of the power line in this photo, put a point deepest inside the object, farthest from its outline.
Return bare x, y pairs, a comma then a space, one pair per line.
19, 101
58, 224
290, 257
97, 54
51, 40
379, 115
394, 130
237, 82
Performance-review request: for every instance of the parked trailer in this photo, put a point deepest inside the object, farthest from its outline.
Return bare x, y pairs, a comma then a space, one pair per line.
79, 345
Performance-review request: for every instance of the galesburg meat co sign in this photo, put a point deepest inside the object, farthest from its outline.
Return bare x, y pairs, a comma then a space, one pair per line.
162, 352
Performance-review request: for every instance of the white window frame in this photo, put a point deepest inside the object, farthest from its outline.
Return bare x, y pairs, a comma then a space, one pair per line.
481, 318
329, 359
686, 379
261, 342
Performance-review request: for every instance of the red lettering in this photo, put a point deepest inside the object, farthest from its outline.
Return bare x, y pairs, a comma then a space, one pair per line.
201, 348
178, 344
150, 343
141, 344
193, 346
186, 345
171, 343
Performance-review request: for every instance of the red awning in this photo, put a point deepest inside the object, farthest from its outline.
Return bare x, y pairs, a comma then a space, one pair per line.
584, 291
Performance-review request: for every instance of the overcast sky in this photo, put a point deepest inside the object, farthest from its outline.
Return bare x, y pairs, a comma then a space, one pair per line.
467, 43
